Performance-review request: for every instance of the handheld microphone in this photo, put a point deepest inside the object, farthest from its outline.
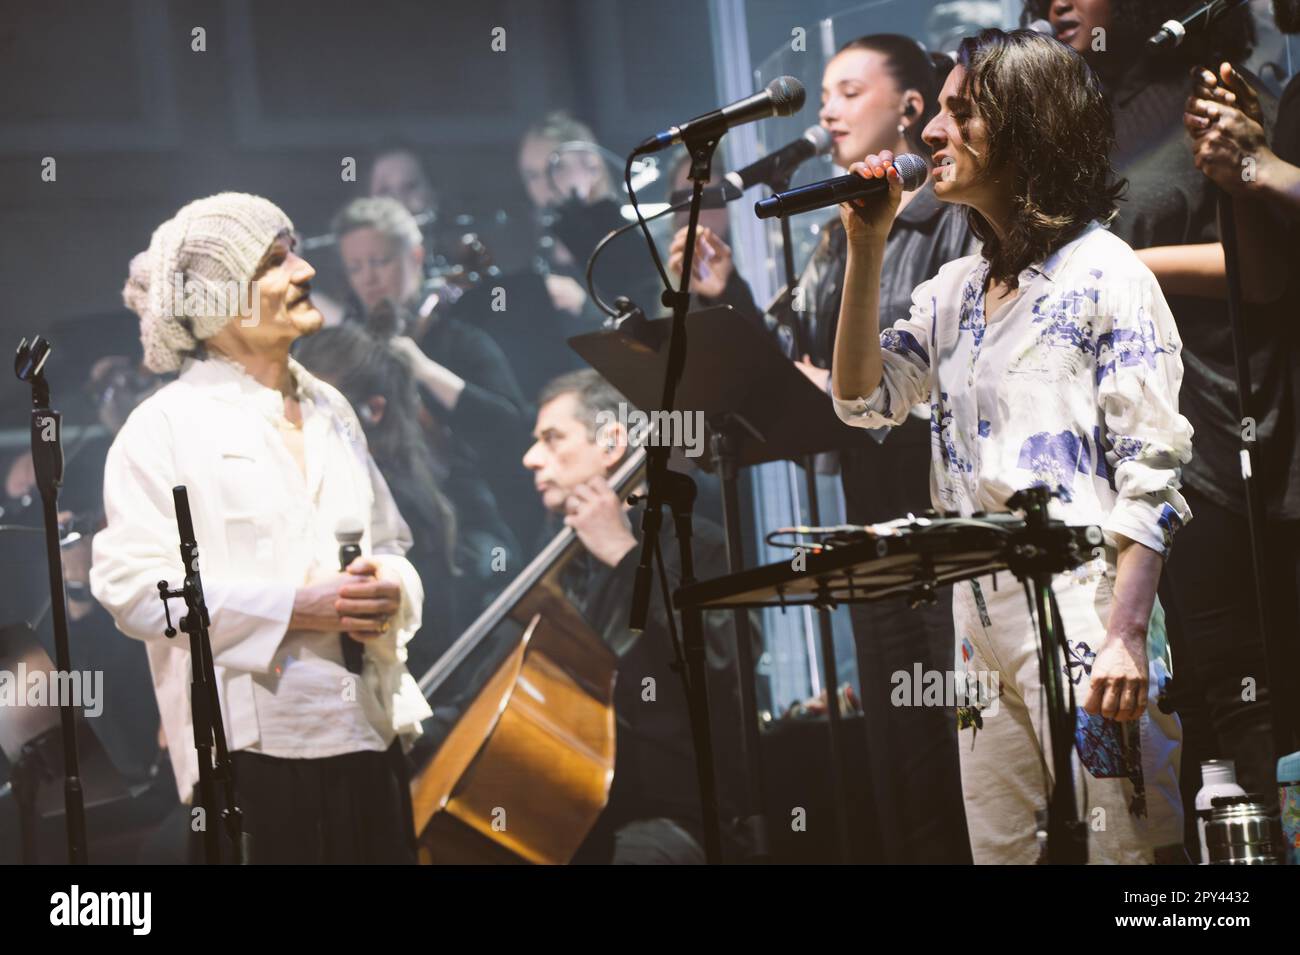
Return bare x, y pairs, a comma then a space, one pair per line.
779, 164
784, 96
831, 192
1198, 20
348, 532
776, 166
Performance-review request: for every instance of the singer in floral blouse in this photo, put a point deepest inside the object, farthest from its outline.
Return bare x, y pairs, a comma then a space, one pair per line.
1049, 359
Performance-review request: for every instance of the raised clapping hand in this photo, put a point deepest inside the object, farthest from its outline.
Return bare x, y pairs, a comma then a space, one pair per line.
1225, 121
711, 265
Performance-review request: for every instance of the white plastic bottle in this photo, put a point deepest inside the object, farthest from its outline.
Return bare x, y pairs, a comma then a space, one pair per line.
1218, 778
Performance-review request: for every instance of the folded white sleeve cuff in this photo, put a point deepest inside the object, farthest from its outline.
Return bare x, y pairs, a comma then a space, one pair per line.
1152, 524
869, 412
249, 621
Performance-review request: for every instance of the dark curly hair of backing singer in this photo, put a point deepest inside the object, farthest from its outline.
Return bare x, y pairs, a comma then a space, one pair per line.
1135, 21
1049, 125
362, 366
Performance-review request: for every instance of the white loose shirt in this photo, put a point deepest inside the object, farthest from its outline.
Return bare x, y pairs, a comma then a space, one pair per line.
262, 532
1073, 385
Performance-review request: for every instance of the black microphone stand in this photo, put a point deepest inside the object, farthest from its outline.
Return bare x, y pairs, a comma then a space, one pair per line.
205, 706
676, 490
47, 457
627, 317
1284, 730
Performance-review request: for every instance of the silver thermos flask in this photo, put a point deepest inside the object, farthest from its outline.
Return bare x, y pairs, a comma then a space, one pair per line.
1244, 830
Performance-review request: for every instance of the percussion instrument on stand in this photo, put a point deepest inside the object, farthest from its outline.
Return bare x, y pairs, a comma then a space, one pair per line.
914, 556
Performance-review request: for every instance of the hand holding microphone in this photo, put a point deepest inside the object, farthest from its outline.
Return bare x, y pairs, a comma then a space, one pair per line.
871, 199
356, 601
911, 170
364, 602
868, 220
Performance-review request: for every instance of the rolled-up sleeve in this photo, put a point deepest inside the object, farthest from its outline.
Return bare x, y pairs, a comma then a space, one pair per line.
390, 538
140, 546
905, 367
1139, 370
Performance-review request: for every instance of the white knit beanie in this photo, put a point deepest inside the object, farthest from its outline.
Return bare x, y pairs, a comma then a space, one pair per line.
209, 244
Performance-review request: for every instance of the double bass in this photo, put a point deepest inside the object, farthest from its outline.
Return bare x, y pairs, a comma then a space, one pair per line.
526, 769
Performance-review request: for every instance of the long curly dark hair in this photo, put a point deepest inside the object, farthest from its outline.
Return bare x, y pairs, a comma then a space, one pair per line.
1233, 38
1049, 125
362, 366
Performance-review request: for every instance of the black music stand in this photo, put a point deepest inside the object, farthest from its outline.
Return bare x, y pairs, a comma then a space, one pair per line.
736, 375
757, 407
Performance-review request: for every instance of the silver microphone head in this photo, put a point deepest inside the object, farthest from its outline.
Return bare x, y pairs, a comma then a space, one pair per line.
820, 137
912, 169
787, 94
1043, 27
349, 530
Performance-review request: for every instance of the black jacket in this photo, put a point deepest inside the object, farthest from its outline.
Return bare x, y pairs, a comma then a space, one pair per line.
654, 771
1169, 202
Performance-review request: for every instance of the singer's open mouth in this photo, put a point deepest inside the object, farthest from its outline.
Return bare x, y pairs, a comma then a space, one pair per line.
1066, 29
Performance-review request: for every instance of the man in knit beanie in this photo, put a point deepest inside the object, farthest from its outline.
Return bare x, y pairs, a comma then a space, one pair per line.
205, 257
310, 661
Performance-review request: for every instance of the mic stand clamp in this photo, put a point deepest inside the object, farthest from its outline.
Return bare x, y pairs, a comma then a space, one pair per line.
631, 320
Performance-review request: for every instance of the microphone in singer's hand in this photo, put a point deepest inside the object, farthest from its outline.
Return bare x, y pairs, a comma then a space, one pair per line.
348, 532
912, 169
